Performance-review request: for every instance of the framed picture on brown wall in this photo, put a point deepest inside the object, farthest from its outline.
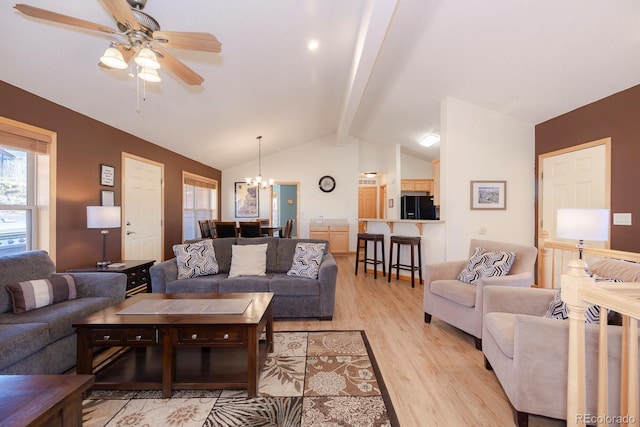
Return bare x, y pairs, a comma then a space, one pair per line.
107, 175
107, 198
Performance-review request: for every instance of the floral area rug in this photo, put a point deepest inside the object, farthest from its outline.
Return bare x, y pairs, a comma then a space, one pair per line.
327, 378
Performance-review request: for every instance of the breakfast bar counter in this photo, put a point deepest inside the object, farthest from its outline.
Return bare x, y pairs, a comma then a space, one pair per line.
432, 233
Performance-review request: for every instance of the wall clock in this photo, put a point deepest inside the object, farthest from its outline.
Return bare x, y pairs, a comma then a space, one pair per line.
327, 184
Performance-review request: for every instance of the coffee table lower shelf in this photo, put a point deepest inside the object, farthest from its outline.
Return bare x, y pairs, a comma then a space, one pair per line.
197, 368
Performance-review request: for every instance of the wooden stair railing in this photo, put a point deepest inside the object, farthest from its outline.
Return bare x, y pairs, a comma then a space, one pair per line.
578, 292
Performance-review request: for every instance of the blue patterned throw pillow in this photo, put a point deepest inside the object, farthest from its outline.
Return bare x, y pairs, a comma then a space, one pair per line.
306, 260
486, 264
196, 259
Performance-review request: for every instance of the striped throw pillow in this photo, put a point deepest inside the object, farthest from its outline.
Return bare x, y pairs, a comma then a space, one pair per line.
38, 293
485, 263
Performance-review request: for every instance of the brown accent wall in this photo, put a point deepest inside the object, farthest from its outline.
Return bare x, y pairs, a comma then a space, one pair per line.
618, 117
83, 144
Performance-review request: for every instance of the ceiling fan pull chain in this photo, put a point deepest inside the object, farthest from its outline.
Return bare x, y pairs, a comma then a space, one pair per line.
137, 93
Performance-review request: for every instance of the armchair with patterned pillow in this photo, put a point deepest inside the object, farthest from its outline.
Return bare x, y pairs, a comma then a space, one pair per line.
453, 290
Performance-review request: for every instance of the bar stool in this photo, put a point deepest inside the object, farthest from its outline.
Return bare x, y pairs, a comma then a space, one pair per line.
412, 241
375, 238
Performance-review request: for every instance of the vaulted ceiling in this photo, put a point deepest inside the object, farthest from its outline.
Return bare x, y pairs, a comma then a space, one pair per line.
379, 74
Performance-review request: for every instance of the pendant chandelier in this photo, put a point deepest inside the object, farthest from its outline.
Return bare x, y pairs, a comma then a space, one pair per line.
258, 181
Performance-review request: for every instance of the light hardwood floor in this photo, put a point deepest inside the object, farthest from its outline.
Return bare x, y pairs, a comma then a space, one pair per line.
433, 372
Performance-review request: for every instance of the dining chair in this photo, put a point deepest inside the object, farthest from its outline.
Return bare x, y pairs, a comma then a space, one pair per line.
226, 229
288, 228
205, 229
250, 229
212, 227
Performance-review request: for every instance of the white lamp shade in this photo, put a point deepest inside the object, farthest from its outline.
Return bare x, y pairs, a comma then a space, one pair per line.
149, 75
103, 216
113, 58
146, 58
583, 224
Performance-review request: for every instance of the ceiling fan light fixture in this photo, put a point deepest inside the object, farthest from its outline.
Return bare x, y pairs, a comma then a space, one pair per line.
113, 58
146, 58
149, 75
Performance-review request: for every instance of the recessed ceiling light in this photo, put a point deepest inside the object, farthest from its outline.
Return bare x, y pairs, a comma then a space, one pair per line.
429, 139
313, 45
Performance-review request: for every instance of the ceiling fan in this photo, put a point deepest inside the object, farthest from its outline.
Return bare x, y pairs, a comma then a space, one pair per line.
144, 42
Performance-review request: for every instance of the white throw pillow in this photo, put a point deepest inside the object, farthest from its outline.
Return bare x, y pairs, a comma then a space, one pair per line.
248, 260
306, 260
196, 259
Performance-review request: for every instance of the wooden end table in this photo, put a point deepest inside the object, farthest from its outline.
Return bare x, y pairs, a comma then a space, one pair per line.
179, 351
137, 271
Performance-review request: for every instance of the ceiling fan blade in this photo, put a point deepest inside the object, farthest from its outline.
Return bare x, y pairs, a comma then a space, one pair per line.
178, 68
188, 40
62, 19
122, 13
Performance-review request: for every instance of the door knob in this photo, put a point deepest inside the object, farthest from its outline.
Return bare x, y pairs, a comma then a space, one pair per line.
130, 232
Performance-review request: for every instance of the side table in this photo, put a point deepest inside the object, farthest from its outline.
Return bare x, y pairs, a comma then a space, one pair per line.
137, 271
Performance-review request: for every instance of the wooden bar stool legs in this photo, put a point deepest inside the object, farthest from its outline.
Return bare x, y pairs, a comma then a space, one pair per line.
413, 241
363, 238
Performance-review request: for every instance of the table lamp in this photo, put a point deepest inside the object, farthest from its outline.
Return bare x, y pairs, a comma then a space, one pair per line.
583, 224
103, 217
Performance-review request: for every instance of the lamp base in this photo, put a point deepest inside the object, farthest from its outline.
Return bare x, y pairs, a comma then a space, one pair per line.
102, 264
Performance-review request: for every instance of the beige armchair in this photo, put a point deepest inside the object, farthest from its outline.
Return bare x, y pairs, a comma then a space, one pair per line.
528, 353
459, 303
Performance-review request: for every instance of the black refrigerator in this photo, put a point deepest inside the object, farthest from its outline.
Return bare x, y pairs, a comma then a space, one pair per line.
417, 207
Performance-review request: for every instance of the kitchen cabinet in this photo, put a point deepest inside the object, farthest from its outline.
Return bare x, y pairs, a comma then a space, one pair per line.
337, 235
422, 185
436, 182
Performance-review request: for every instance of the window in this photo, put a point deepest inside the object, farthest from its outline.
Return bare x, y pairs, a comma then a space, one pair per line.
200, 201
26, 187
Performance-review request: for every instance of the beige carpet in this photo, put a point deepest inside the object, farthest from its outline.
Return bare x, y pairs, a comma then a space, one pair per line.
327, 378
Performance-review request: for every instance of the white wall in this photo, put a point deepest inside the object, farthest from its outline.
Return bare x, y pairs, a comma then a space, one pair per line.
305, 164
414, 168
479, 144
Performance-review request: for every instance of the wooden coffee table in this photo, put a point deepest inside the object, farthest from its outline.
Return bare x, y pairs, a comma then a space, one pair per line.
179, 351
42, 400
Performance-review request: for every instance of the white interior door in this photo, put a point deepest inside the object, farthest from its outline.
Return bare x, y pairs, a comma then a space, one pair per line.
574, 179
142, 207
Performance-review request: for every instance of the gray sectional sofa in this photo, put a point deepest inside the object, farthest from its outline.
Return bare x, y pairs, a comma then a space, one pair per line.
43, 341
295, 297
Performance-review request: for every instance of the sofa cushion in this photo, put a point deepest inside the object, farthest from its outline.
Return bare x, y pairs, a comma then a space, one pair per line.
196, 259
59, 317
282, 284
626, 271
21, 267
32, 294
245, 284
201, 284
248, 260
558, 309
306, 260
456, 291
485, 263
20, 341
501, 327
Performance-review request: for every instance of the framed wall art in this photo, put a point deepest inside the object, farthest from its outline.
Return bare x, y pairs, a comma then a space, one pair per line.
246, 197
487, 195
107, 198
107, 175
